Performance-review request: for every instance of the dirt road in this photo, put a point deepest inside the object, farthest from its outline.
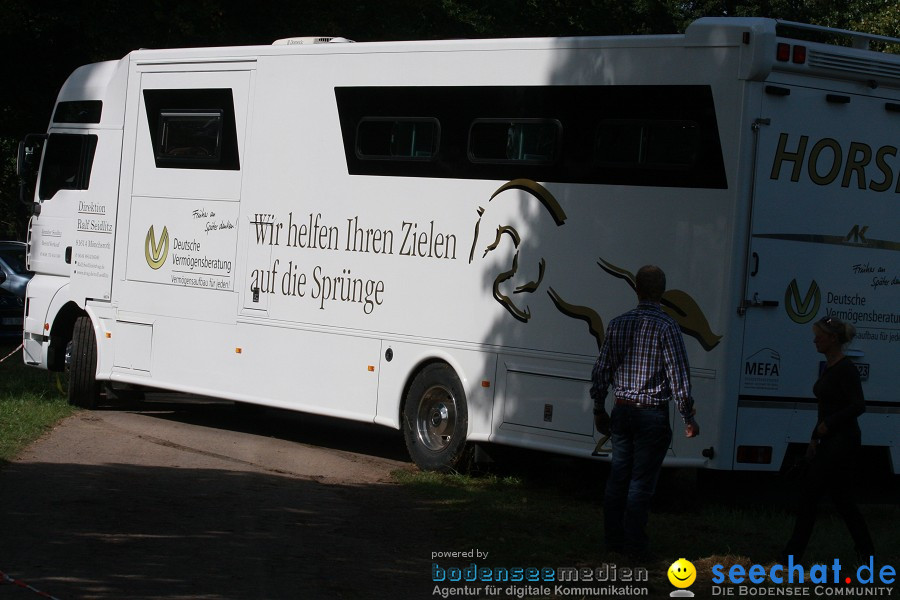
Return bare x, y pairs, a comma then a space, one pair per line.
196, 501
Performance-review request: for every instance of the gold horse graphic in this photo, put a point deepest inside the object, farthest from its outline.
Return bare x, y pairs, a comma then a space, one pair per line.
676, 303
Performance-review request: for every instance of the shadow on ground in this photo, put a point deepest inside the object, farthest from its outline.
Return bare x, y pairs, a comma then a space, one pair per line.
313, 430
120, 531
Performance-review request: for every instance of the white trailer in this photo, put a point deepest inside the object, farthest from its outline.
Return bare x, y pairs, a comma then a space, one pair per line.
433, 235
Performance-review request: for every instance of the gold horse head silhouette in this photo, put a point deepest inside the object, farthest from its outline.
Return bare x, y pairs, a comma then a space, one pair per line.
559, 216
678, 304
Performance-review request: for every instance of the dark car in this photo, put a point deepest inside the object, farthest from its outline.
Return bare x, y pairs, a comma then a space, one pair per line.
13, 280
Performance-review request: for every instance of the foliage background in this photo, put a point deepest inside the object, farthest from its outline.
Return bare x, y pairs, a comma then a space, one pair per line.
42, 43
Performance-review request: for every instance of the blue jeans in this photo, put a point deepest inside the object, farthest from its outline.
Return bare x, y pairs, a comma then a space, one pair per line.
640, 439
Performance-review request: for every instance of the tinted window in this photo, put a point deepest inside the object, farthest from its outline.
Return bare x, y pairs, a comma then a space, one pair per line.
82, 111
514, 141
649, 143
381, 138
190, 135
193, 129
641, 135
68, 160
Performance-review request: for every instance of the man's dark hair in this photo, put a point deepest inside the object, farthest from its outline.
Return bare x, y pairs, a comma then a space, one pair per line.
650, 283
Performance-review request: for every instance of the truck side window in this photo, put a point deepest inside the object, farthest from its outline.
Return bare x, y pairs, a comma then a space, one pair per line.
664, 144
190, 135
397, 138
522, 140
68, 160
637, 135
193, 129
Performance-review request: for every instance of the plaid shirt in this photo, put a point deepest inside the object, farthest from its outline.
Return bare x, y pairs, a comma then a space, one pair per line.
644, 357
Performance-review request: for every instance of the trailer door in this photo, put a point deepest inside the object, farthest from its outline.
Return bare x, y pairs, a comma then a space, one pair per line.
189, 164
824, 242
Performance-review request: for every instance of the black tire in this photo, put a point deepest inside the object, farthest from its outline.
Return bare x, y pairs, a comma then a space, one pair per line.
436, 419
84, 390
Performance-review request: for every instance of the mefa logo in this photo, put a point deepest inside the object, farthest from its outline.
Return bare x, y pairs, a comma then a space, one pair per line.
805, 310
765, 363
156, 252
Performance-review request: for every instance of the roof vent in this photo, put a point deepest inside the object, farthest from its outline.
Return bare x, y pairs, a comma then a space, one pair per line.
301, 41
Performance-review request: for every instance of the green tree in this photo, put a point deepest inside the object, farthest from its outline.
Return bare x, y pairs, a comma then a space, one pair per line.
43, 43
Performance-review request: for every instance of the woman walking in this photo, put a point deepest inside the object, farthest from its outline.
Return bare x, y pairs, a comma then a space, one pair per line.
833, 450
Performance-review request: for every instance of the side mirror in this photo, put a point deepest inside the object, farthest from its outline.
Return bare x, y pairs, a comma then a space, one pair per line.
27, 164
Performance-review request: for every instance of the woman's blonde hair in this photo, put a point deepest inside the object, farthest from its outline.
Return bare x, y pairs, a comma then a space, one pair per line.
844, 331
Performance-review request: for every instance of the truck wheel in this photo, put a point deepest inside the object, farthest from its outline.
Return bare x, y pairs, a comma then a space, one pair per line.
83, 388
435, 419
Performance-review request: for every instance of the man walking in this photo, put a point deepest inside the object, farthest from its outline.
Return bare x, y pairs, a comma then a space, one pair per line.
644, 358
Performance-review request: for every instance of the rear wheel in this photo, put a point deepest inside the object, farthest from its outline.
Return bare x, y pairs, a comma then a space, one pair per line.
84, 390
436, 419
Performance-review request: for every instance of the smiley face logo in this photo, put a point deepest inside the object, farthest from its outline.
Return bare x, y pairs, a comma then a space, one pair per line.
682, 573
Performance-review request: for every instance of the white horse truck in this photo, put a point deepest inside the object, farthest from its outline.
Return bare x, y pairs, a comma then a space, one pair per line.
433, 235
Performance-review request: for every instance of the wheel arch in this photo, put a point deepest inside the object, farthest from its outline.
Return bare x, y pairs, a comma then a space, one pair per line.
61, 331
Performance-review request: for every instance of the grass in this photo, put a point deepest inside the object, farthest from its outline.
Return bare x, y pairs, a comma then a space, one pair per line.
30, 403
518, 523
543, 511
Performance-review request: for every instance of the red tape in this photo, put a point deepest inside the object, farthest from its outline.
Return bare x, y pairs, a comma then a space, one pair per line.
4, 578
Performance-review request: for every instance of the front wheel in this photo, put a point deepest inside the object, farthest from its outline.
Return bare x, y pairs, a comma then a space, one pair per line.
84, 391
436, 419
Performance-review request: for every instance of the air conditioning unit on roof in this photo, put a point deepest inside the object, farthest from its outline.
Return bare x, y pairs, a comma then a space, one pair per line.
300, 41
